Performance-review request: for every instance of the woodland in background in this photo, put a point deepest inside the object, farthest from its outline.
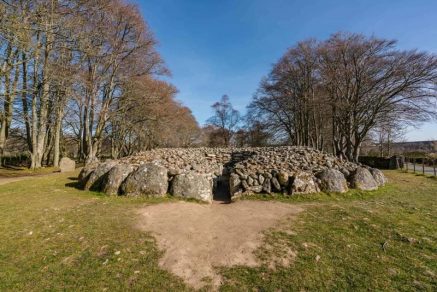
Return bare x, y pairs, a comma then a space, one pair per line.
84, 74
333, 95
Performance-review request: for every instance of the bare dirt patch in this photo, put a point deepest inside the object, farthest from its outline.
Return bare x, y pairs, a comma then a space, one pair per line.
196, 238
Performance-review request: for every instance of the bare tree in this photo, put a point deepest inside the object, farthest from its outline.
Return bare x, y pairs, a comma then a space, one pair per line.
225, 119
71, 70
340, 89
290, 99
368, 79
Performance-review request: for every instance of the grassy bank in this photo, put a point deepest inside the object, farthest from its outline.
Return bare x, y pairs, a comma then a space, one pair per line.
55, 237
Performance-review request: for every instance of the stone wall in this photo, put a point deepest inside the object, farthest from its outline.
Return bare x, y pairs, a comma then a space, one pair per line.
201, 172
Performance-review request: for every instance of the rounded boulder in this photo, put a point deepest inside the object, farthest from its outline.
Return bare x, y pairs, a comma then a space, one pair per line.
379, 177
97, 176
304, 183
332, 181
115, 177
148, 180
363, 180
192, 185
67, 165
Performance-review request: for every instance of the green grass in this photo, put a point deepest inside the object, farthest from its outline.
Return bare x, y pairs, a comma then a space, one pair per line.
56, 237
382, 240
10, 172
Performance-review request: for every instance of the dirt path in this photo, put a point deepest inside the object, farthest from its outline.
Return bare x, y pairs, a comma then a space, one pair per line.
196, 238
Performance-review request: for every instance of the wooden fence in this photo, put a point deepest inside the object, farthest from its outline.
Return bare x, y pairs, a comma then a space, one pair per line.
421, 165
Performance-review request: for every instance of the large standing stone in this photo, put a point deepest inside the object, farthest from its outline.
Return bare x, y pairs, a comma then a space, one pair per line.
115, 178
192, 185
149, 179
304, 183
234, 184
362, 179
96, 177
332, 181
66, 164
378, 176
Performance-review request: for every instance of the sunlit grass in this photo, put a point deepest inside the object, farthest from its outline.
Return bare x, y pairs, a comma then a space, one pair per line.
24, 171
56, 237
384, 240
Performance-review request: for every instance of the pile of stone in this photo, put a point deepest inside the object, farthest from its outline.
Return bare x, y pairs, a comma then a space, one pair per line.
199, 172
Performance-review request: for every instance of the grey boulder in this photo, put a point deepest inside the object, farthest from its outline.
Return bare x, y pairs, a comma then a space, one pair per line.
96, 177
332, 181
362, 179
192, 185
378, 176
149, 180
267, 186
234, 184
115, 178
256, 189
66, 164
304, 183
86, 172
275, 184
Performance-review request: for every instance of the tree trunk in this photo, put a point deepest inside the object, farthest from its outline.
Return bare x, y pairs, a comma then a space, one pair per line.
57, 138
25, 105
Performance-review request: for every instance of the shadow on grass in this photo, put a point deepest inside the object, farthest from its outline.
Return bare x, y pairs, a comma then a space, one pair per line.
74, 183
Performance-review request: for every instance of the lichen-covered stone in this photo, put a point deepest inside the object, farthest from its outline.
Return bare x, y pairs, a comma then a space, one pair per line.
148, 180
379, 177
362, 179
192, 185
115, 177
234, 184
267, 187
332, 181
86, 172
241, 170
304, 183
96, 178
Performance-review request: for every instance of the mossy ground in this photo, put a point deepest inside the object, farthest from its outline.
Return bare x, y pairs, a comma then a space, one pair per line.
56, 237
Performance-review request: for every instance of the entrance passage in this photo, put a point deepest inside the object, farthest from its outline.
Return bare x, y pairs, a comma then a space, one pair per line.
221, 193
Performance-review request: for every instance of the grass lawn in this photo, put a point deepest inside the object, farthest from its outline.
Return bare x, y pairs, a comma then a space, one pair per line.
12, 171
55, 237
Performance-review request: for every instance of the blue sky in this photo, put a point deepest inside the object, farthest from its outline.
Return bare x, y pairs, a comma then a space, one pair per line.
216, 47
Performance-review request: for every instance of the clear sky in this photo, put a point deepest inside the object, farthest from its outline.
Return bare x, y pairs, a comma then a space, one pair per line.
216, 47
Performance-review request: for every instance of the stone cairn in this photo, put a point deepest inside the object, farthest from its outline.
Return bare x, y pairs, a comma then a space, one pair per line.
200, 172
